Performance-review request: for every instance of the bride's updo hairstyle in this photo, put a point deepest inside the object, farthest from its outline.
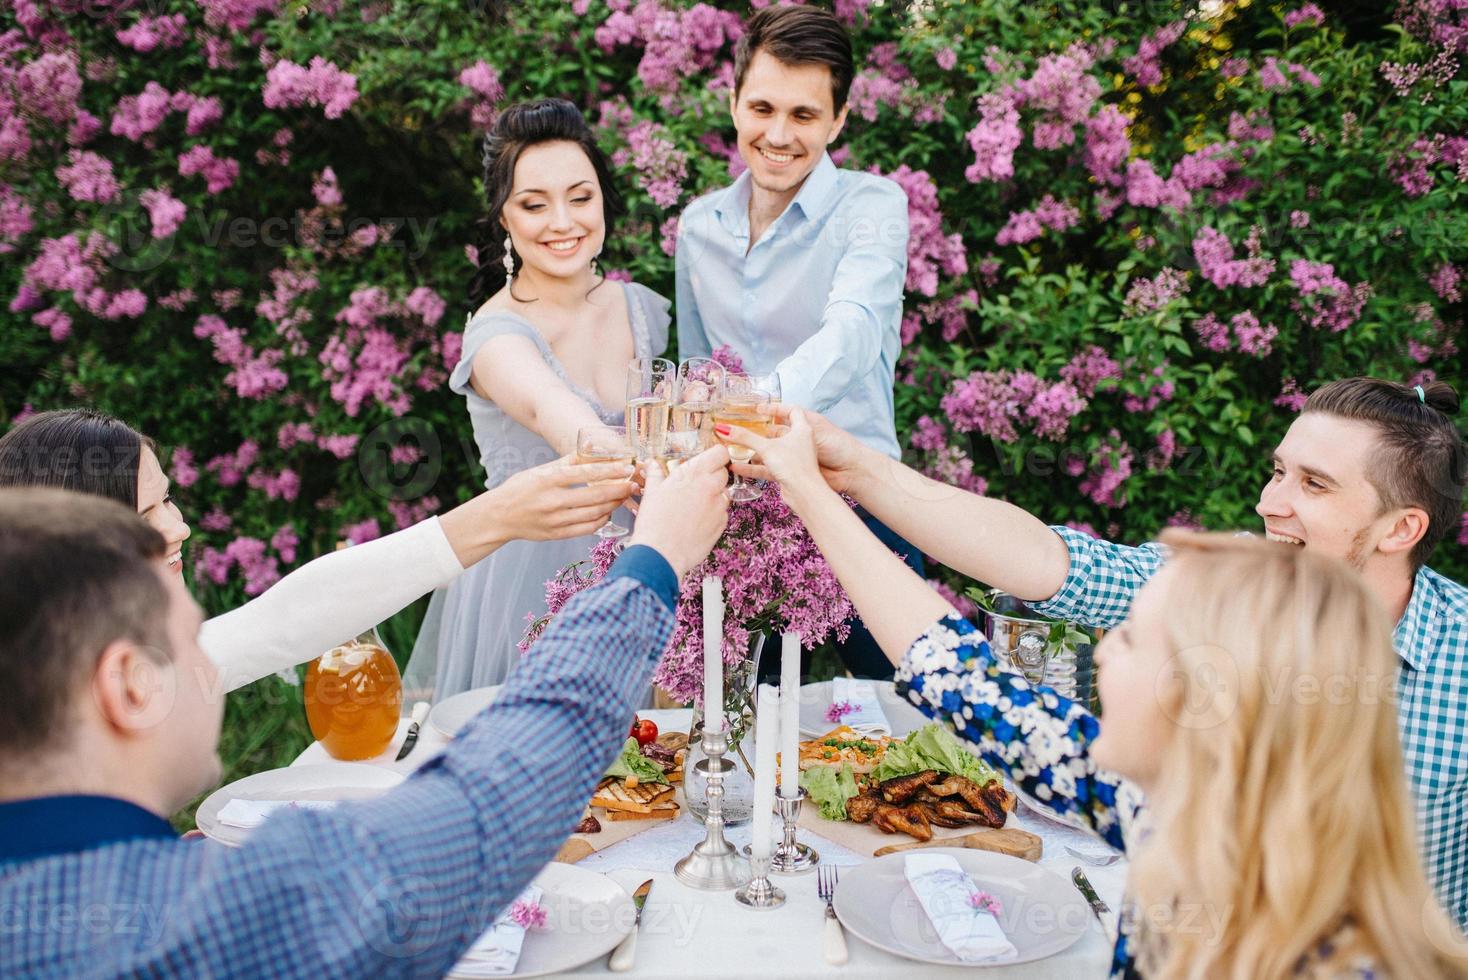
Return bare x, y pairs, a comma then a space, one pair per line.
523, 125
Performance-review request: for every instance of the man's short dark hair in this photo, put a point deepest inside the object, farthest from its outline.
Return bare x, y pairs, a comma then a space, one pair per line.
77, 572
799, 36
1420, 459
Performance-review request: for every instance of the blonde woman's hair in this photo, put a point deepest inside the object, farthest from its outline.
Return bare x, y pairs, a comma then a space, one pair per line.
1285, 815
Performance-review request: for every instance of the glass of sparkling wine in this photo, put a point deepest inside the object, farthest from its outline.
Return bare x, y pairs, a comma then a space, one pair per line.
747, 408
605, 444
650, 382
700, 379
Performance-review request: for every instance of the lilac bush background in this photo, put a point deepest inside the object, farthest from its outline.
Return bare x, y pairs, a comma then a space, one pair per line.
1139, 235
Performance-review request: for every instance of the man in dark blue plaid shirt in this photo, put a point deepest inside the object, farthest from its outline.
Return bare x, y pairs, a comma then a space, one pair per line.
1372, 472
110, 726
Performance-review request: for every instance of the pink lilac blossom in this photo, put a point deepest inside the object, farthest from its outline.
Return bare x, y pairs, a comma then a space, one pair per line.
984, 902
372, 373
1159, 392
927, 435
57, 323
15, 139
128, 304
340, 445
50, 86
150, 33
135, 116
285, 485
230, 468
527, 915
994, 139
951, 314
1211, 166
426, 304
946, 58
292, 433
1308, 14
676, 44
1147, 189
953, 467
1213, 332
763, 552
1254, 339
284, 542
405, 515
929, 251
84, 128
200, 114
15, 217
219, 173
216, 520
1299, 219
324, 188
1164, 452
252, 375
1184, 519
1215, 255
1026, 226
1107, 145
178, 300
1150, 295
1088, 369
661, 167
362, 531
1062, 90
88, 177
165, 212
1254, 127
1290, 396
839, 710
211, 565
260, 569
1145, 65
668, 236
181, 466
1444, 281
1111, 467
236, 15
992, 402
961, 604
323, 84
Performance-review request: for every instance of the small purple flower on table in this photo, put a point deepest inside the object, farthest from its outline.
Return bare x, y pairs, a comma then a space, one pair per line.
839, 710
985, 902
527, 915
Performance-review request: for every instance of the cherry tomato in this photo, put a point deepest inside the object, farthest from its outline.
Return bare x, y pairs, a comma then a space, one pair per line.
645, 732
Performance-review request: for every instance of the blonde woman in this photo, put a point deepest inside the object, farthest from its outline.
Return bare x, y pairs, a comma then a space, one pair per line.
1249, 763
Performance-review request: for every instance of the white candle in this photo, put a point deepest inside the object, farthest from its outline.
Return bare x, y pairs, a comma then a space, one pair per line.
790, 715
713, 656
767, 737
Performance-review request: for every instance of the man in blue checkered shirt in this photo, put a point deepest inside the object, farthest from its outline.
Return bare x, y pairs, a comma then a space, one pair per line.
110, 725
1372, 472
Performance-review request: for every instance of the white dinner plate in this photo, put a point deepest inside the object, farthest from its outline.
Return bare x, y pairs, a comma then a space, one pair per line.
1041, 912
450, 715
815, 701
587, 915
326, 781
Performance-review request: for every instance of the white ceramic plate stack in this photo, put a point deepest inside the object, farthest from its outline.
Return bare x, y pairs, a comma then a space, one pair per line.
326, 781
1041, 912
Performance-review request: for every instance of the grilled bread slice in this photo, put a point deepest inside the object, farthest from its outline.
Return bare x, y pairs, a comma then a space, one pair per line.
615, 794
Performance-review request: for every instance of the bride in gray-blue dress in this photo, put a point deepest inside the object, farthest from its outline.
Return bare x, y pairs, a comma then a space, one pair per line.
544, 355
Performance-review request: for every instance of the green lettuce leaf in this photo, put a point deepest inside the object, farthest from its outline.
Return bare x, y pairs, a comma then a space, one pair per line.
932, 747
830, 789
633, 763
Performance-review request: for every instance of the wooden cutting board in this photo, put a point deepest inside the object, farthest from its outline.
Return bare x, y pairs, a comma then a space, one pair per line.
866, 839
612, 831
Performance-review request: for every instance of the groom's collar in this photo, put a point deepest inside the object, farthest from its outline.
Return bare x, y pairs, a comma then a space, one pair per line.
813, 199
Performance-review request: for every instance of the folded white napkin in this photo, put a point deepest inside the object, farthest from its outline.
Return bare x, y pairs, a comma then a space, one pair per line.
497, 951
249, 814
946, 894
869, 718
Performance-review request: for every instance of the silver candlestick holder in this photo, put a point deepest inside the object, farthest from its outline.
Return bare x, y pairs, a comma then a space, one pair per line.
713, 864
791, 857
759, 893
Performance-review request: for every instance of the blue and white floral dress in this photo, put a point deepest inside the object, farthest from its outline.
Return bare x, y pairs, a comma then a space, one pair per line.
1043, 742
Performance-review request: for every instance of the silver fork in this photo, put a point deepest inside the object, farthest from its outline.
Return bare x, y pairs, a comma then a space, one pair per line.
834, 940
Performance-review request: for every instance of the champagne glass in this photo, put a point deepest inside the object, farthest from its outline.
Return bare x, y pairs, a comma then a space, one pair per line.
696, 393
605, 444
745, 406
650, 382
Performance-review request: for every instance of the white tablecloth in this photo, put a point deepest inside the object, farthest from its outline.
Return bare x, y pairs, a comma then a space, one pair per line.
687, 933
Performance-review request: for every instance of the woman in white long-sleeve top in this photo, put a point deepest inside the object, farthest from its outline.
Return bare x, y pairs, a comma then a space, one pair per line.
1248, 761
335, 597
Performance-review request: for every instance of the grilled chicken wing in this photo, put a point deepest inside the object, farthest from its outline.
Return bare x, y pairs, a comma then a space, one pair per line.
990, 803
904, 788
947, 787
911, 820
861, 808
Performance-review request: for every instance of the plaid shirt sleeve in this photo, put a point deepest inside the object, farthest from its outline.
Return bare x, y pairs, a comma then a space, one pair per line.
398, 886
1103, 579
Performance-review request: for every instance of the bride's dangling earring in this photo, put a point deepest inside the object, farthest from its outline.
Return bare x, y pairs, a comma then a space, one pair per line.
509, 259
595, 271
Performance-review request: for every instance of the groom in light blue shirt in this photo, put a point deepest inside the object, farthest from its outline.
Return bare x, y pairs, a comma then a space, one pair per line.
799, 266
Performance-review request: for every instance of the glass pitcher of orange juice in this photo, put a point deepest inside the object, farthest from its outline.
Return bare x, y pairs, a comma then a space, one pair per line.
354, 697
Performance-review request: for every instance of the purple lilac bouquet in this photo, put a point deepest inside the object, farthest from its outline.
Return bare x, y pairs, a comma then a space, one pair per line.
775, 580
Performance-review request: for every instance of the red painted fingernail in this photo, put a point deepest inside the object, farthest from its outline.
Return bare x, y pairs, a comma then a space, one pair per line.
722, 430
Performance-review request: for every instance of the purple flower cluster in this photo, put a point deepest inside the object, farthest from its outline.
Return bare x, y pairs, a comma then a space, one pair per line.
1145, 65
994, 139
289, 85
661, 167
150, 33
1308, 14
1111, 466
775, 580
251, 375
993, 402
1253, 338
1215, 255
88, 177
1444, 281
1026, 226
219, 173
1062, 91
483, 79
675, 44
1088, 369
1150, 295
165, 212
929, 250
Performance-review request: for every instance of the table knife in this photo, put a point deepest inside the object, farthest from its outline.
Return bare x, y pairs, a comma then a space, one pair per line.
1102, 910
420, 712
626, 950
